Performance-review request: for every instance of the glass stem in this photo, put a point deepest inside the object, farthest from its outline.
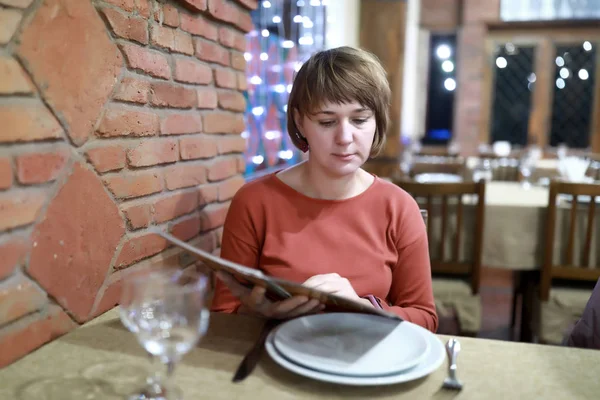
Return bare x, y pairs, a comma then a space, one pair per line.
155, 375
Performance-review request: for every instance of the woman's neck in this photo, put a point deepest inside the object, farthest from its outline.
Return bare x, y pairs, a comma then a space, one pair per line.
318, 184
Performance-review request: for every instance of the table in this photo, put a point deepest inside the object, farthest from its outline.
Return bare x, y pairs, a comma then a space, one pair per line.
489, 369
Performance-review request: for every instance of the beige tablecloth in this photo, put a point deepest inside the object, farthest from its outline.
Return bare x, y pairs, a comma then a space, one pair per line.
514, 230
101, 361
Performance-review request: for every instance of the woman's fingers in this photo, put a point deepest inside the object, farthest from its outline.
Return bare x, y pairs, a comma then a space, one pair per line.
316, 280
310, 307
236, 288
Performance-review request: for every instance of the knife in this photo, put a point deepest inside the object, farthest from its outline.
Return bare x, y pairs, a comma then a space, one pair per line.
251, 359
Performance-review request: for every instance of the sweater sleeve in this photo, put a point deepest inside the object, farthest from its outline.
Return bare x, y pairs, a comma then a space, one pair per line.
411, 292
240, 245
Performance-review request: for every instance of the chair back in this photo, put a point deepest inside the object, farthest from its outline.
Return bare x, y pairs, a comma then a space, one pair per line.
582, 204
447, 195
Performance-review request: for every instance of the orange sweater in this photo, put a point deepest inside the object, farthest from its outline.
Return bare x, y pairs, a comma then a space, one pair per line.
377, 240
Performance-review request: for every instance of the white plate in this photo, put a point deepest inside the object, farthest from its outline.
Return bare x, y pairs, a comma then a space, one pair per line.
351, 344
437, 178
435, 357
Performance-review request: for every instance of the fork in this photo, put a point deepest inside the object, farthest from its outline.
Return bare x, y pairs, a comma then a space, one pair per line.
451, 382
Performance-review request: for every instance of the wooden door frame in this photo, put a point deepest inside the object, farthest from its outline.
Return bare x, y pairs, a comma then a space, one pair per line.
544, 36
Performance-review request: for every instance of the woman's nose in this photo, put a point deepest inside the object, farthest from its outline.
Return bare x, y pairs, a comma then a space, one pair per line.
344, 133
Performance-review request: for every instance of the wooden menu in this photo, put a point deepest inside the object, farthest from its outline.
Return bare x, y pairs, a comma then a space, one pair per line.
277, 289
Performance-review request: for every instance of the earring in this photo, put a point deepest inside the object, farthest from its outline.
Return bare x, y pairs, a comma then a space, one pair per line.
303, 145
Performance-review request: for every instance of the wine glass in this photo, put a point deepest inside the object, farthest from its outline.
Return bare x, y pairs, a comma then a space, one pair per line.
168, 315
526, 168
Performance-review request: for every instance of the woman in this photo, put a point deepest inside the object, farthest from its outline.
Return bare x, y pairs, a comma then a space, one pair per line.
326, 222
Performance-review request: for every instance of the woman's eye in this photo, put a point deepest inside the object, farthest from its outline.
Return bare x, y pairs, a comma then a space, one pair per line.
326, 123
360, 121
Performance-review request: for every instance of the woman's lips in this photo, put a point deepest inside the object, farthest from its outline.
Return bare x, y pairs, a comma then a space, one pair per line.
344, 157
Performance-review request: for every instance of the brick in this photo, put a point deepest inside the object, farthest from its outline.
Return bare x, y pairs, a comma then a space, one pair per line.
127, 26
175, 96
213, 216
162, 36
148, 61
185, 175
139, 247
137, 215
196, 5
229, 187
140, 7
211, 52
244, 22
19, 296
107, 158
9, 22
143, 8
153, 152
170, 39
14, 80
242, 81
81, 223
6, 173
238, 61
230, 100
133, 90
241, 164
222, 10
198, 25
16, 3
186, 228
231, 144
194, 147
134, 184
222, 168
183, 43
44, 167
128, 122
207, 98
191, 71
225, 78
27, 121
208, 194
75, 79
175, 205
223, 122
41, 328
170, 15
249, 4
177, 124
14, 251
231, 38
19, 208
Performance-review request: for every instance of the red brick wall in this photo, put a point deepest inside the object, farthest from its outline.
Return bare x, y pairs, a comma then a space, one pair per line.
115, 116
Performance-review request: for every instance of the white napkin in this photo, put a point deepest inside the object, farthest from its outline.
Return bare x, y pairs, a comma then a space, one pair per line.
573, 169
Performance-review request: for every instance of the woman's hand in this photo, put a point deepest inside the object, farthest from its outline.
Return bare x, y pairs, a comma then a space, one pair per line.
254, 301
334, 284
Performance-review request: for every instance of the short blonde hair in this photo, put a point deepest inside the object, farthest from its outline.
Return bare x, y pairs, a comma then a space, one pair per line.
341, 75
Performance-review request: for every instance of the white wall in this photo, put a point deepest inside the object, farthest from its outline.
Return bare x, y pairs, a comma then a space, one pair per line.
411, 101
343, 18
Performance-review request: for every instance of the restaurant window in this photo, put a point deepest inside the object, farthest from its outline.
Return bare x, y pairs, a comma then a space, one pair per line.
514, 80
574, 82
440, 89
541, 87
286, 33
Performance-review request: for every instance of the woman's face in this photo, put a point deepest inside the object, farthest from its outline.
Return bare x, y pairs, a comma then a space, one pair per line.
340, 136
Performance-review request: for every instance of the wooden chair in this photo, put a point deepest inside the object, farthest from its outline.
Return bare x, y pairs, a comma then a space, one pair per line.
565, 286
454, 279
